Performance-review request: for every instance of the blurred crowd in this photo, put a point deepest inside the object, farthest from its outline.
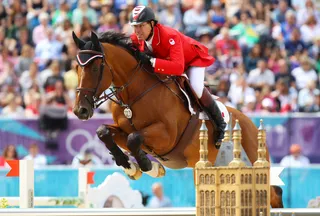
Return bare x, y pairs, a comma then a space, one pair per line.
267, 51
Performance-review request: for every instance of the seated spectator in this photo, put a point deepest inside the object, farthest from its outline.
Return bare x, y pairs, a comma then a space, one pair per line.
204, 36
29, 77
109, 23
63, 32
33, 108
194, 18
39, 159
282, 31
285, 74
304, 73
310, 30
250, 60
273, 61
225, 44
278, 15
239, 91
158, 200
40, 32
217, 16
84, 10
62, 14
294, 43
249, 105
245, 32
71, 80
295, 159
307, 96
35, 8
261, 76
309, 9
12, 110
48, 49
24, 60
171, 16
9, 153
285, 96
87, 158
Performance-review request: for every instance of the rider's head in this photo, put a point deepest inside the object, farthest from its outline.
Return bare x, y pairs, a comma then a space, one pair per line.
143, 19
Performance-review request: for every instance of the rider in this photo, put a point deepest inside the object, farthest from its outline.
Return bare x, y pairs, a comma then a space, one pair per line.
170, 52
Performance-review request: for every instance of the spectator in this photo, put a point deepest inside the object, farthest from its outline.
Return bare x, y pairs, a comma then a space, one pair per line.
87, 158
307, 96
171, 16
158, 200
261, 75
9, 153
84, 10
39, 159
194, 18
295, 159
40, 31
304, 73
48, 49
12, 110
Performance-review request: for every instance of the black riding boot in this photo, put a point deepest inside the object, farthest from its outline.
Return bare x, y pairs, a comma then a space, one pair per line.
214, 114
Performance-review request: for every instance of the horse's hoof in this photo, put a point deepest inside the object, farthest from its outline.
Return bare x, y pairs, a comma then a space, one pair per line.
218, 144
161, 171
137, 174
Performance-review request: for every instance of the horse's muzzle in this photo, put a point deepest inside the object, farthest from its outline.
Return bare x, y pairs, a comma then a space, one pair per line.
83, 113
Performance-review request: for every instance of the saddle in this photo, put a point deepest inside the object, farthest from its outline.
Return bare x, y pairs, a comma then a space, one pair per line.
185, 86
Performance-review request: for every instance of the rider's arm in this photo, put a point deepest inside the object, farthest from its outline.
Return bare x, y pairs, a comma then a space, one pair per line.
175, 64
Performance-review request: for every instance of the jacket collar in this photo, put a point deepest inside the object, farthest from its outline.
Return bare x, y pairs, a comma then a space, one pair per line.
156, 35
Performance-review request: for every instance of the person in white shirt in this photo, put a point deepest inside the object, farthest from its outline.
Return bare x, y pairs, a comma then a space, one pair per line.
295, 159
159, 200
261, 75
87, 158
38, 159
304, 73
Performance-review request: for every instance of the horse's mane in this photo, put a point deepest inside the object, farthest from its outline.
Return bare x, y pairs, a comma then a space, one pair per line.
120, 39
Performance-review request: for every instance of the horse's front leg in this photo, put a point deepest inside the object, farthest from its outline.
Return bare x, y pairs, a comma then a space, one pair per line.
154, 134
112, 136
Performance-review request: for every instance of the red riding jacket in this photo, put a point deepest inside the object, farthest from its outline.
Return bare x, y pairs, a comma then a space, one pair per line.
175, 52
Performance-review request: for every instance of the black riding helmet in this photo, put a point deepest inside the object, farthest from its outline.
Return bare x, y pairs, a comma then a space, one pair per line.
141, 14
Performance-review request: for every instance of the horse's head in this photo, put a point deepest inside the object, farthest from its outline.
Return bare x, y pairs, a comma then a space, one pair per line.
91, 65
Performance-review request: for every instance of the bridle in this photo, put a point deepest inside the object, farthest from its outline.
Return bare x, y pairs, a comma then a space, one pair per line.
96, 100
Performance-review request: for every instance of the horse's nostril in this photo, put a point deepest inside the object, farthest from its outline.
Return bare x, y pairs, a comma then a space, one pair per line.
83, 111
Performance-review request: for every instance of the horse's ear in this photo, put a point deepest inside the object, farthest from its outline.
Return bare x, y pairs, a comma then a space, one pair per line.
95, 40
80, 43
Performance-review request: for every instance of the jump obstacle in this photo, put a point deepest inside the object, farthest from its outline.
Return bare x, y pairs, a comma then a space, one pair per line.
24, 169
27, 200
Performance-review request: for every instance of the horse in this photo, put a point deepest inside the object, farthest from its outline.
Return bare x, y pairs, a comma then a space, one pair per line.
149, 110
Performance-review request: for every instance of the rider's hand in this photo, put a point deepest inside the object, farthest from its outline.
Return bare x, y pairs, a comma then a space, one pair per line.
146, 59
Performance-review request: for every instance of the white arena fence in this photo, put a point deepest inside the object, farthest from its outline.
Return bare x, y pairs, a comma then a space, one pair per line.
136, 212
26, 197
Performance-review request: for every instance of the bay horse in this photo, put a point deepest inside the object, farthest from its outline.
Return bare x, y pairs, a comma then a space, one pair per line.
148, 109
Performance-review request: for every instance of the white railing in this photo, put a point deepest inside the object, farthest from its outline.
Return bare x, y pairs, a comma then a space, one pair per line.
26, 197
136, 212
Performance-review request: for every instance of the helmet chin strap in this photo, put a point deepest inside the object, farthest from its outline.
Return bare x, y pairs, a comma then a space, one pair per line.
151, 32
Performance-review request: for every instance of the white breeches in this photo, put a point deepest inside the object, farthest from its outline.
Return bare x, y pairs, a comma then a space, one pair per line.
196, 77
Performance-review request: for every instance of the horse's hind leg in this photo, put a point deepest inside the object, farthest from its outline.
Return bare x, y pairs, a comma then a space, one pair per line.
111, 136
276, 197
